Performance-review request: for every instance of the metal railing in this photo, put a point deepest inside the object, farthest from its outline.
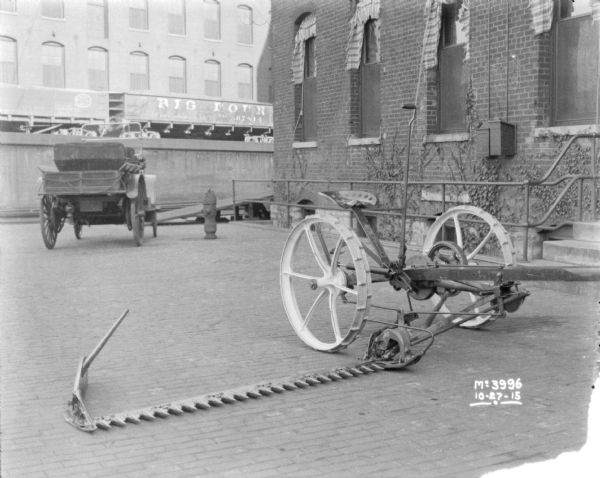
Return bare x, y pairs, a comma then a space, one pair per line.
526, 223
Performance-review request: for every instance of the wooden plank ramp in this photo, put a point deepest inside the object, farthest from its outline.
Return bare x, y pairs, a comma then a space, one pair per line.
197, 210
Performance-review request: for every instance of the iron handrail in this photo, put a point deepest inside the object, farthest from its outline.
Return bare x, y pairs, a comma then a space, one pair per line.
527, 224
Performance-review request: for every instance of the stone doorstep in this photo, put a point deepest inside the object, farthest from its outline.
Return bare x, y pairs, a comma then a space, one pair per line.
588, 289
572, 251
587, 231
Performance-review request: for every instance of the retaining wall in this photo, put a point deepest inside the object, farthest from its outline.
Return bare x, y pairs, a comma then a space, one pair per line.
185, 169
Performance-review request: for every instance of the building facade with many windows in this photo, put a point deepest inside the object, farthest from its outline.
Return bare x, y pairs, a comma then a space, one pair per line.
170, 64
499, 88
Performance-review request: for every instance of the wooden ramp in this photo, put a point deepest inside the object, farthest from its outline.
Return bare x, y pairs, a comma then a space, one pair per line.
197, 210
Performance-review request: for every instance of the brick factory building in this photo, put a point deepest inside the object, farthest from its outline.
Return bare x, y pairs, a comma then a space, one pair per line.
194, 74
183, 68
500, 87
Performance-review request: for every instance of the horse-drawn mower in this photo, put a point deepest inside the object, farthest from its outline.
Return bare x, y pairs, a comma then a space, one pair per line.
333, 266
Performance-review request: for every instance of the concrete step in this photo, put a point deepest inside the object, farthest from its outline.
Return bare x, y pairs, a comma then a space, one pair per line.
589, 289
572, 251
586, 231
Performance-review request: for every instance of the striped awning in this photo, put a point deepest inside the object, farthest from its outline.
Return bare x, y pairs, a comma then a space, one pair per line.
596, 10
464, 17
431, 36
365, 10
433, 24
541, 13
306, 30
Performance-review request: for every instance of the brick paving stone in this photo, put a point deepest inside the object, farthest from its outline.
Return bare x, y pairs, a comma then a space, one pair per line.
206, 316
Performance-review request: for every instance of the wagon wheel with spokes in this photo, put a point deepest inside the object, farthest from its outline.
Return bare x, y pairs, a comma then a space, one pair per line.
153, 219
136, 214
481, 240
50, 222
325, 283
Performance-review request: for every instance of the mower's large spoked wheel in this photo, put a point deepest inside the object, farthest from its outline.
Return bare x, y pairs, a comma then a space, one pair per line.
325, 283
481, 239
49, 221
137, 214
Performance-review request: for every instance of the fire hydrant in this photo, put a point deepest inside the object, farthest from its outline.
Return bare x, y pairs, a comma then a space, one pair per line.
210, 215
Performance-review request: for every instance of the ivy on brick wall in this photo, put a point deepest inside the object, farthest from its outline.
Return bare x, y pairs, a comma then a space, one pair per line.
577, 161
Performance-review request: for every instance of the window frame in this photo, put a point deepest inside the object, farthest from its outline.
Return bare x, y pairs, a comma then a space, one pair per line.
370, 83
132, 11
558, 117
51, 4
100, 4
216, 64
241, 25
63, 66
106, 79
182, 14
249, 70
13, 10
183, 62
212, 4
15, 62
133, 87
451, 54
309, 90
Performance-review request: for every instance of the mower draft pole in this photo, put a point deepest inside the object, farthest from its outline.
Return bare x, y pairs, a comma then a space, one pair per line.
402, 253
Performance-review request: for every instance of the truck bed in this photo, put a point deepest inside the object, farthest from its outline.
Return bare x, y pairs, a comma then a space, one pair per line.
62, 183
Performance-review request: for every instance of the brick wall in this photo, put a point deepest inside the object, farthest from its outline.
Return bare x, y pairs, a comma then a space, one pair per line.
509, 72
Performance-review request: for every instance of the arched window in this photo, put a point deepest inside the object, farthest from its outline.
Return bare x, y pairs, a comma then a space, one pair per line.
177, 74
452, 82
212, 78
53, 65
212, 20
8, 60
138, 71
304, 76
245, 82
98, 68
244, 25
369, 71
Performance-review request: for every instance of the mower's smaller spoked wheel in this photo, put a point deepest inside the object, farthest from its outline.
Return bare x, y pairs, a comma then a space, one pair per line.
49, 221
469, 236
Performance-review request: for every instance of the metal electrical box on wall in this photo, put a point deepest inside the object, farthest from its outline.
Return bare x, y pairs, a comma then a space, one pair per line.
496, 138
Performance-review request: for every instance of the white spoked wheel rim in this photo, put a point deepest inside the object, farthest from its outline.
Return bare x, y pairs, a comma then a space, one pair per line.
474, 242
325, 283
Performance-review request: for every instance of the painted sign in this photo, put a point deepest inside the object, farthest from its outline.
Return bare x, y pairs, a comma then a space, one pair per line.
53, 102
197, 111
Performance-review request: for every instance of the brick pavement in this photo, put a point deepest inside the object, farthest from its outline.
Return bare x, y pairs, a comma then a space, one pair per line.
207, 316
